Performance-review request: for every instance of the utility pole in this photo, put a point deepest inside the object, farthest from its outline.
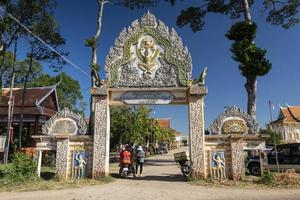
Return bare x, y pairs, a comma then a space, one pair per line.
274, 138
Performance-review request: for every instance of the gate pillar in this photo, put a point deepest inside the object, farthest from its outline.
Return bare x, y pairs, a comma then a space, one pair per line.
101, 128
196, 127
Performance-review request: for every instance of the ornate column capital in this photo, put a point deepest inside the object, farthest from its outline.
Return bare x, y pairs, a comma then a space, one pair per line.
195, 90
100, 91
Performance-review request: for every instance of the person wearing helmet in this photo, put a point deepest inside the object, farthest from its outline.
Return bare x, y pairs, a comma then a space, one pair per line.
126, 159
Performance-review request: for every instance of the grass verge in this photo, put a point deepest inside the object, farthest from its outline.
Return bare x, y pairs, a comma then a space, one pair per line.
278, 181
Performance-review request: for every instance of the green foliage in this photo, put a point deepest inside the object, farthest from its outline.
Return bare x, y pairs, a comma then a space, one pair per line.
132, 125
139, 4
251, 58
267, 178
270, 140
91, 42
194, 15
283, 13
22, 168
184, 142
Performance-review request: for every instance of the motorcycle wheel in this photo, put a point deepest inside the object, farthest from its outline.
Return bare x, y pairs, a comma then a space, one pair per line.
125, 174
185, 171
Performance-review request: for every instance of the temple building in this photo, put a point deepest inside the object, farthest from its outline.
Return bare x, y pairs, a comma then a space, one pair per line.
288, 124
40, 104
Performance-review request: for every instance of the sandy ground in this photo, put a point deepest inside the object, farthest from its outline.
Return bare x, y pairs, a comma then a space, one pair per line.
161, 180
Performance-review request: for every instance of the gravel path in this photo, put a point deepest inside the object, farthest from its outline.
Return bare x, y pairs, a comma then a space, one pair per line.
161, 180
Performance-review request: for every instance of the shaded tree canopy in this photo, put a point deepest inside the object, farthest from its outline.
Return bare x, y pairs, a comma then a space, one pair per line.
272, 135
133, 125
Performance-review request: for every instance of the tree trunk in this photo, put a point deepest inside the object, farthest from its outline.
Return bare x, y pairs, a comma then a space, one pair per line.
94, 57
247, 13
23, 98
10, 103
251, 87
251, 82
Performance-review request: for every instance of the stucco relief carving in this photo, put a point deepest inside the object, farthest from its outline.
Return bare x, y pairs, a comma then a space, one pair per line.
65, 122
148, 54
236, 114
197, 136
62, 152
234, 126
100, 128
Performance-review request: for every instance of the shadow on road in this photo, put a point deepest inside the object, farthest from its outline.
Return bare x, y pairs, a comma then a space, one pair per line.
163, 177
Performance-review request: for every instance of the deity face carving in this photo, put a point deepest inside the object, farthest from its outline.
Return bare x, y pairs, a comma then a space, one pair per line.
147, 54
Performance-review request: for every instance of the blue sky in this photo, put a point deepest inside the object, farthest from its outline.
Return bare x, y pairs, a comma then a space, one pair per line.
209, 48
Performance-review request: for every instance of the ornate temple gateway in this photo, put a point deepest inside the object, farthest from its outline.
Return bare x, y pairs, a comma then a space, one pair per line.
149, 65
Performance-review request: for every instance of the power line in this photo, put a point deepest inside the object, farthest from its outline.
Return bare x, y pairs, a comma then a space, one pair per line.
42, 41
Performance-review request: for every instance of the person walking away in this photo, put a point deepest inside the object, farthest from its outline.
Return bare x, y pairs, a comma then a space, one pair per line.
140, 158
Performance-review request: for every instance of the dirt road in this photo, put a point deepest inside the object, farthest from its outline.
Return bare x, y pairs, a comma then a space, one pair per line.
161, 180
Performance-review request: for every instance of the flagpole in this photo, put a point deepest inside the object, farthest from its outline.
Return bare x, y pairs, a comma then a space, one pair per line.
274, 138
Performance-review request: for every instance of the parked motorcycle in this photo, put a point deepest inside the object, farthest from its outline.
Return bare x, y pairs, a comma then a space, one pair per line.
182, 159
126, 171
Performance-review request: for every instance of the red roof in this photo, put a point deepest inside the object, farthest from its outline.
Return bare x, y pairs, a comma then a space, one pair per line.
289, 114
163, 123
34, 97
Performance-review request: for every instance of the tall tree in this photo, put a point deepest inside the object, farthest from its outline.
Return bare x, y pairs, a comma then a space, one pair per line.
252, 60
46, 28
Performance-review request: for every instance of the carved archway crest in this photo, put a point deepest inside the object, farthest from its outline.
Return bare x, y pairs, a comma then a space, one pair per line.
65, 122
234, 118
147, 54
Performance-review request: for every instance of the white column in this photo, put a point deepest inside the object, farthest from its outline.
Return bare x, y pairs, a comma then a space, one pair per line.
39, 163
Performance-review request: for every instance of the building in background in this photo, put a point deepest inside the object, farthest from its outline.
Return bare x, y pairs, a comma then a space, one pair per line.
41, 103
288, 124
179, 137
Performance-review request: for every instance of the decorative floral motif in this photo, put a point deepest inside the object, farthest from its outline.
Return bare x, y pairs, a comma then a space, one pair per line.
67, 115
174, 60
234, 126
234, 113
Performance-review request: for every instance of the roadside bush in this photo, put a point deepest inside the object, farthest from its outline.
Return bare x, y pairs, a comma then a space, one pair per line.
2, 171
267, 178
22, 168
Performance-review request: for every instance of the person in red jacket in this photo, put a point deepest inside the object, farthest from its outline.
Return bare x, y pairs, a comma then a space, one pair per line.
126, 159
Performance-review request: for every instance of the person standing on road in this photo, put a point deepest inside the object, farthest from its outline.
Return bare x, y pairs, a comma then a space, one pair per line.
139, 159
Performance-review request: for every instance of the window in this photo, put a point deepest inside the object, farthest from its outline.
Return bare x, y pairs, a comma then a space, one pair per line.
284, 151
295, 151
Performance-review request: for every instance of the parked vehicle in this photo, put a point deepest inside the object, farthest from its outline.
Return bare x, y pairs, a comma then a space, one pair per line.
126, 171
182, 159
288, 158
163, 148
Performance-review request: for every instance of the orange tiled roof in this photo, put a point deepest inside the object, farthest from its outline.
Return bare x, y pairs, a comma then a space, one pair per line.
289, 114
164, 123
